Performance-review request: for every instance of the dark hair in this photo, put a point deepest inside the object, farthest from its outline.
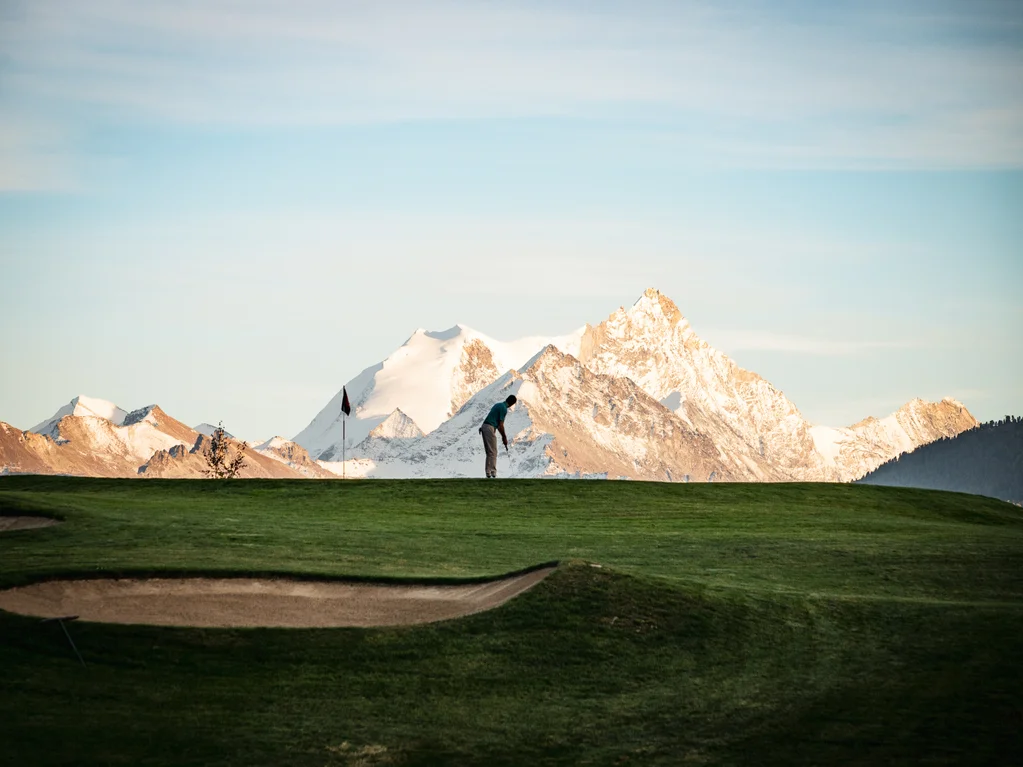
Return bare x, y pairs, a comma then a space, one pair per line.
512, 399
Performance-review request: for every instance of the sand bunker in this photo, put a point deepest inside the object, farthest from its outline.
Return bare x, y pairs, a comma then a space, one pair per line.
25, 523
249, 602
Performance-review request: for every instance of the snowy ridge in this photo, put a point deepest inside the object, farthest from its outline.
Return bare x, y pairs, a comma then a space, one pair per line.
274, 443
83, 406
859, 449
396, 426
428, 378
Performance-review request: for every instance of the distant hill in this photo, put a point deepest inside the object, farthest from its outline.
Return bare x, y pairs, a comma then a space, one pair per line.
986, 460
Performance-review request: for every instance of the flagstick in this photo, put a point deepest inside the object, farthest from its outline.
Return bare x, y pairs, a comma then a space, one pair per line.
346, 408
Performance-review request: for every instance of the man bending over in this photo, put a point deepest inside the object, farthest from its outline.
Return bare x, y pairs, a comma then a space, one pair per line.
494, 423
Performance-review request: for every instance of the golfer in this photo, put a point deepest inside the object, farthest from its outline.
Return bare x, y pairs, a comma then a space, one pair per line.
494, 423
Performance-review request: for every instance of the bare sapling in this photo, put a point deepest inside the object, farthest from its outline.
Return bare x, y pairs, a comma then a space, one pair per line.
220, 463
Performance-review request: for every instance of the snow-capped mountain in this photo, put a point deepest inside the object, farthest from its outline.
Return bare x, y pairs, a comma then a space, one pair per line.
756, 432
93, 437
569, 422
83, 406
427, 379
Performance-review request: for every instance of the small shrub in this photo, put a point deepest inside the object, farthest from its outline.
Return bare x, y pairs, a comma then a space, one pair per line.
219, 463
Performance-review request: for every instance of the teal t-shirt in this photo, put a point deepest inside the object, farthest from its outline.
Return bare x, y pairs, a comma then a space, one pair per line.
497, 414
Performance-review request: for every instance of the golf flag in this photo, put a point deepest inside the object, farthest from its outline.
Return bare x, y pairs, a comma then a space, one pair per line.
346, 408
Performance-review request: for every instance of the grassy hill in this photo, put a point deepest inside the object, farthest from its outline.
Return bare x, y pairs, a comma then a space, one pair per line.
726, 624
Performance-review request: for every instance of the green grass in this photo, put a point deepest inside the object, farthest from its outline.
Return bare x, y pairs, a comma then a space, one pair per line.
727, 624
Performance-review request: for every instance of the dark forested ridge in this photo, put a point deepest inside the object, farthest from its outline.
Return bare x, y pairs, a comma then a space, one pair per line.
987, 460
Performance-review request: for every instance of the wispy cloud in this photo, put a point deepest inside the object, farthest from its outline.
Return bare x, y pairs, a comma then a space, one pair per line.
744, 86
35, 155
761, 340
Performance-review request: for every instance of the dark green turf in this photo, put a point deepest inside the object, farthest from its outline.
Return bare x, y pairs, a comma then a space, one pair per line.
728, 624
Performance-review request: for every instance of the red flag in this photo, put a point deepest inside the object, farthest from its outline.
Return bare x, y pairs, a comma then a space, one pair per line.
346, 406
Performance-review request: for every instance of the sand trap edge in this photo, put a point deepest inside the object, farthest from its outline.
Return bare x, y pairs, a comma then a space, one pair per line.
11, 523
260, 602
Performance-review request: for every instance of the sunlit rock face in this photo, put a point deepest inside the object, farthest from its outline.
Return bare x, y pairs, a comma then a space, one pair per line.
743, 414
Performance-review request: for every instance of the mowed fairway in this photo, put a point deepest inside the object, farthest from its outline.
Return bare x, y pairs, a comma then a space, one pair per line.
726, 624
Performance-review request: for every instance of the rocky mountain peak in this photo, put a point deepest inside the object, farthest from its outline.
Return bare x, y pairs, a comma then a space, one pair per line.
652, 313
151, 413
548, 356
654, 304
651, 325
396, 426
83, 406
274, 443
935, 419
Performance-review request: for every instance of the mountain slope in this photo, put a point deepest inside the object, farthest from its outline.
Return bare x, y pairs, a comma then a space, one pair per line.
25, 452
291, 455
428, 378
91, 437
986, 460
277, 459
568, 421
863, 447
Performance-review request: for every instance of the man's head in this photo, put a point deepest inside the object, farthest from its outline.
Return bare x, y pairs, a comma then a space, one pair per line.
511, 400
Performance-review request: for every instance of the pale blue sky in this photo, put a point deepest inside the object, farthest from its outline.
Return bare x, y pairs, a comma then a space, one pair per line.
832, 193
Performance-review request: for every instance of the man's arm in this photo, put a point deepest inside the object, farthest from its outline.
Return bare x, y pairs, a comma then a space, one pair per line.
504, 437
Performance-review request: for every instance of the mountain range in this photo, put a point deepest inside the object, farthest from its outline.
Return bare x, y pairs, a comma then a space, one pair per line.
95, 438
638, 396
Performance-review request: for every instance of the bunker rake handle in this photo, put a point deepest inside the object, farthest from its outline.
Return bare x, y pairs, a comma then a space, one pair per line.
69, 639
